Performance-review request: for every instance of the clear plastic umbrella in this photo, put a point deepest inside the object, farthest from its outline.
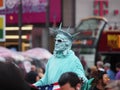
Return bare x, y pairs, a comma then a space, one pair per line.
38, 53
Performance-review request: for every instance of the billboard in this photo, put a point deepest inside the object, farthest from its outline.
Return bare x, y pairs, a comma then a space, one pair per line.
2, 4
2, 28
110, 42
33, 11
2, 21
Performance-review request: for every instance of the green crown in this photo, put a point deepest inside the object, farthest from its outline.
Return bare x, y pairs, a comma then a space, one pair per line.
65, 32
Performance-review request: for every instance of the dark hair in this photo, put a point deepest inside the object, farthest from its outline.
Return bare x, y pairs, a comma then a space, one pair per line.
118, 65
100, 74
69, 77
11, 77
97, 75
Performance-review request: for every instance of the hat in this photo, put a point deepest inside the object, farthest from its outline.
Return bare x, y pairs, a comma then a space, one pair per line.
65, 32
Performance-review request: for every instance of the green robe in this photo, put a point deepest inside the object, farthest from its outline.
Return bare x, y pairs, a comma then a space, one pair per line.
57, 66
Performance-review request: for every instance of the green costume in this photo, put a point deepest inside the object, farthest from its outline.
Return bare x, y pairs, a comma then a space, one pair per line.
57, 66
63, 60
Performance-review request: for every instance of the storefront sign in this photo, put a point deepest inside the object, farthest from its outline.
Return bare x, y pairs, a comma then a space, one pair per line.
113, 41
2, 22
2, 4
33, 11
100, 7
2, 28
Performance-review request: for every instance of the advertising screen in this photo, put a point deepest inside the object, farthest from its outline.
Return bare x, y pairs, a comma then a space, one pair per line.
33, 11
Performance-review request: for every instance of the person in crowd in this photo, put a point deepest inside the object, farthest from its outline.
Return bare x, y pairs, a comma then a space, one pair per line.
82, 59
92, 71
63, 60
32, 76
110, 73
117, 77
11, 78
101, 79
21, 66
113, 85
100, 65
70, 81
40, 72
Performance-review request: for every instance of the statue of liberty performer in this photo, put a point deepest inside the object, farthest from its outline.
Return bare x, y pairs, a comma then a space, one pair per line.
63, 60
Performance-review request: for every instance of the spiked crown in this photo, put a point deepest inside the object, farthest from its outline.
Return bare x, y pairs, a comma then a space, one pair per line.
65, 32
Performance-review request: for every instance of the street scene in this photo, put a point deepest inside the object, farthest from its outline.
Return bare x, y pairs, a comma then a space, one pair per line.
59, 45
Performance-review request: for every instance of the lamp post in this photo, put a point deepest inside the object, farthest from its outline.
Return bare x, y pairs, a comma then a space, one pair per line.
20, 25
45, 33
47, 23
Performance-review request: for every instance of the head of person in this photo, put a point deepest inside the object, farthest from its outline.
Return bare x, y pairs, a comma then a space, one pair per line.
99, 64
118, 67
33, 68
63, 40
105, 79
11, 78
101, 79
107, 66
92, 71
70, 81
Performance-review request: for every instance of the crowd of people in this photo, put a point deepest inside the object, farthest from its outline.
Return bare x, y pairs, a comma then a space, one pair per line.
12, 78
104, 77
64, 71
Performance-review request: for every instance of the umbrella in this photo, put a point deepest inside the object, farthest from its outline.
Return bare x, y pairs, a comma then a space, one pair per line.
4, 52
38, 53
7, 53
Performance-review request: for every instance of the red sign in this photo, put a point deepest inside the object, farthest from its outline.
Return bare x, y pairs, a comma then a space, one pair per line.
100, 7
109, 41
34, 11
2, 4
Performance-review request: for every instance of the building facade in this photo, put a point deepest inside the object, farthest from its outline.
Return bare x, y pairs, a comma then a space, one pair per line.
71, 12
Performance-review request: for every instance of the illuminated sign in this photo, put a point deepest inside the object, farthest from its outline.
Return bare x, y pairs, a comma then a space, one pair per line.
2, 4
33, 11
2, 22
2, 28
113, 41
83, 42
100, 7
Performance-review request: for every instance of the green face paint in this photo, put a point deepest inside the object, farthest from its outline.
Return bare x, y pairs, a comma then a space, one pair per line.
62, 43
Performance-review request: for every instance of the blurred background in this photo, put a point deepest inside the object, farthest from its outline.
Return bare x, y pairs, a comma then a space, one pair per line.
24, 25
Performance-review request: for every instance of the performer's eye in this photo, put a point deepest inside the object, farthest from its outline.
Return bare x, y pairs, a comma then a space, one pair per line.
59, 40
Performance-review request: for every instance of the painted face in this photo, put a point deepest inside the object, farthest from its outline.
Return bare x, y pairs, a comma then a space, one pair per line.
61, 42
